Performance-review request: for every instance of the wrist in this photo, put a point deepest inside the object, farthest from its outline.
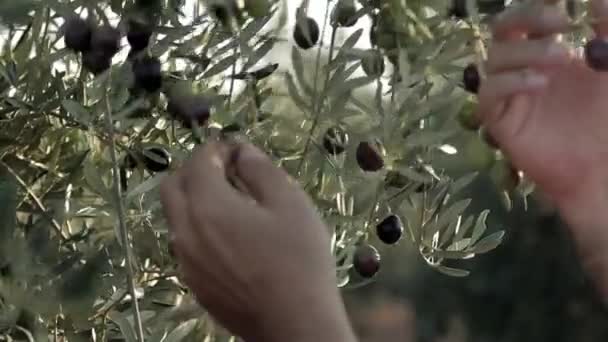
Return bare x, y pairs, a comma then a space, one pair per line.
586, 214
316, 317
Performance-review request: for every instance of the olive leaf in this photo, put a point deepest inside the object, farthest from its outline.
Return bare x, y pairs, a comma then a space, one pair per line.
488, 243
125, 327
182, 331
454, 272
77, 111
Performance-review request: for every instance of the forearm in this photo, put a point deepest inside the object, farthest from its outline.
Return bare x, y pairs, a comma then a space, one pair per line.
586, 213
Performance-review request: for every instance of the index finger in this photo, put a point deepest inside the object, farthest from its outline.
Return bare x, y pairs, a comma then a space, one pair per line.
206, 180
529, 19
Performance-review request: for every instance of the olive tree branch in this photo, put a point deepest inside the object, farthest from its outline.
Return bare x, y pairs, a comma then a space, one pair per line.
121, 213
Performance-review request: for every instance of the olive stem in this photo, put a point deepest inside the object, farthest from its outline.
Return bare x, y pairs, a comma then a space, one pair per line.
196, 133
121, 213
480, 49
316, 103
256, 101
233, 72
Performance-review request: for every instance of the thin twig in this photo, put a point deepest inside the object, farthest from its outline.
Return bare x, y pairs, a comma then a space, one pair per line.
36, 200
121, 215
317, 103
233, 72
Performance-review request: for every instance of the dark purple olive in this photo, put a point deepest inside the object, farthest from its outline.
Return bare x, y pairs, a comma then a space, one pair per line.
138, 35
189, 108
459, 9
106, 40
390, 230
77, 34
596, 54
306, 33
335, 141
96, 62
369, 157
147, 73
366, 261
156, 159
471, 78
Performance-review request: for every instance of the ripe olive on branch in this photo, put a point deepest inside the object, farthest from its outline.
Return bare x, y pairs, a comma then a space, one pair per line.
368, 157
390, 230
366, 261
306, 33
335, 141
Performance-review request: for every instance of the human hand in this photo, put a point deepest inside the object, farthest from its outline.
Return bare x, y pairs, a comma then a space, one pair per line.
259, 261
548, 111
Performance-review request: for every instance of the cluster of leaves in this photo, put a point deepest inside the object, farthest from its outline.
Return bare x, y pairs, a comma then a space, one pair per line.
65, 258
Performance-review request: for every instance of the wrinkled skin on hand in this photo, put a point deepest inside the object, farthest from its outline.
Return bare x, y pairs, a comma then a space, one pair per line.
548, 111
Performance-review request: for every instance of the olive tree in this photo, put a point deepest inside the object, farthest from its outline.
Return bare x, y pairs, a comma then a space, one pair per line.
99, 99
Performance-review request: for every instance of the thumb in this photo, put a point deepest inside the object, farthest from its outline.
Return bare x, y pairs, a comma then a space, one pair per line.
268, 184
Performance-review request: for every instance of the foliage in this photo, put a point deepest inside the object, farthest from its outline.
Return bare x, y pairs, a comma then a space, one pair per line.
80, 249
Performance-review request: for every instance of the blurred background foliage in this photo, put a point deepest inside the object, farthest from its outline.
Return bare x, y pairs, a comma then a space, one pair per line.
84, 143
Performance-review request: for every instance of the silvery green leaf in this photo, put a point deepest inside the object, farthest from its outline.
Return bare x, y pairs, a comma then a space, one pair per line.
480, 226
295, 94
451, 214
454, 272
456, 254
298, 67
427, 138
129, 109
8, 208
77, 111
351, 41
253, 28
94, 180
220, 66
488, 243
449, 232
459, 245
350, 85
260, 53
182, 331
464, 228
125, 327
159, 336
463, 182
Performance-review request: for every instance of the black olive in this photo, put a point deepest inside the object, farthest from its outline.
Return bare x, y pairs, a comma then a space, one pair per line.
306, 33
344, 14
147, 72
390, 229
96, 62
188, 108
106, 40
471, 78
459, 9
368, 157
77, 34
138, 35
596, 54
366, 261
156, 159
335, 141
